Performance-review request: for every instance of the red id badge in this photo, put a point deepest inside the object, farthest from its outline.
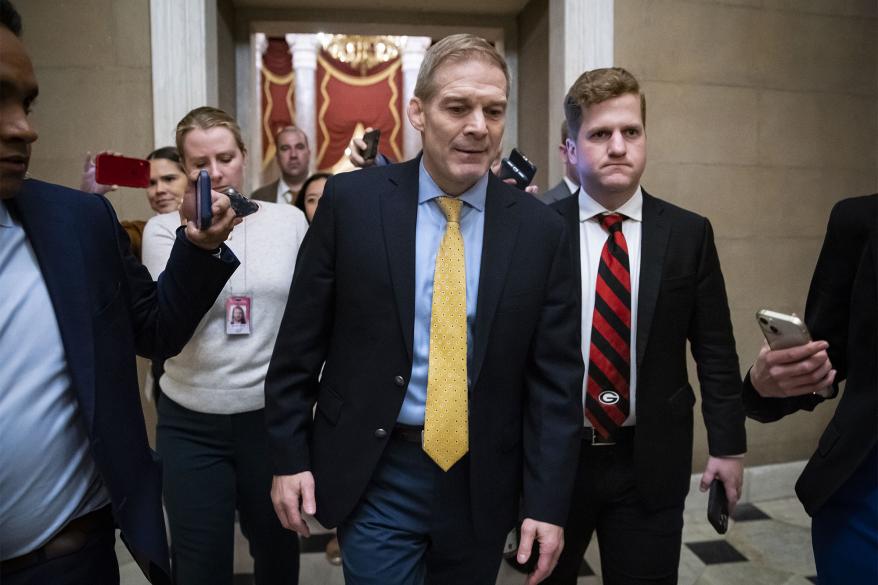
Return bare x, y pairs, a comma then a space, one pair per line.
238, 315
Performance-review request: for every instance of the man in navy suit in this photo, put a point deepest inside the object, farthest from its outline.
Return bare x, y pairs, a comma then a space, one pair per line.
364, 306
76, 306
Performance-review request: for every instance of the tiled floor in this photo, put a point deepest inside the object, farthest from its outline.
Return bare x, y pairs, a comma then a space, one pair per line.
768, 543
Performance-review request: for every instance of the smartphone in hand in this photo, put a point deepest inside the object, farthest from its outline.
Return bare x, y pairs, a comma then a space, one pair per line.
518, 168
203, 201
371, 139
784, 331
121, 170
718, 507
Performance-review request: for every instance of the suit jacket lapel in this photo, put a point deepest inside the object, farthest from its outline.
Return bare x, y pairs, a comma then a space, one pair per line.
653, 244
52, 231
399, 215
569, 208
498, 243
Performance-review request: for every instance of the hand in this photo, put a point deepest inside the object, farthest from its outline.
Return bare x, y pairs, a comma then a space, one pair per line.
223, 221
792, 372
551, 539
358, 148
730, 471
532, 189
87, 182
287, 492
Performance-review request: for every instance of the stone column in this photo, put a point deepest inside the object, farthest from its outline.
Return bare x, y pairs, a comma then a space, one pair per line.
413, 50
580, 38
304, 49
184, 61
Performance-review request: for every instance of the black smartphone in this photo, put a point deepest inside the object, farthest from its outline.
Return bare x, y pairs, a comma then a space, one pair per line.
718, 507
517, 167
371, 139
239, 202
203, 202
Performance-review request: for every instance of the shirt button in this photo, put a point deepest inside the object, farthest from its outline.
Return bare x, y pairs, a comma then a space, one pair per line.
380, 433
399, 381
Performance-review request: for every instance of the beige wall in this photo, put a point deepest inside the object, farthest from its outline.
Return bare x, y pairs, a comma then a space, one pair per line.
761, 114
92, 60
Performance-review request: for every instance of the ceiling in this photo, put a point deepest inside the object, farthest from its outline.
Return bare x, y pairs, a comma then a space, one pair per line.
445, 6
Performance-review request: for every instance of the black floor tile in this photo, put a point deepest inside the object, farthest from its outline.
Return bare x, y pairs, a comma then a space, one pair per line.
747, 512
713, 552
813, 580
315, 543
585, 570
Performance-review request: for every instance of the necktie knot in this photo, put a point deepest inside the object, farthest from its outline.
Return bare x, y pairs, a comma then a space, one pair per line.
612, 222
451, 207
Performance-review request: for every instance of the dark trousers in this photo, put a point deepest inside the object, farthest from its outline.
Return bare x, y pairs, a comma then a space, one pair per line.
93, 564
213, 465
637, 545
844, 532
413, 526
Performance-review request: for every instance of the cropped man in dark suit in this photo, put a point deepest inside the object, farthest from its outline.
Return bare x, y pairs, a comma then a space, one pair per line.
75, 307
650, 282
839, 486
441, 302
293, 158
569, 183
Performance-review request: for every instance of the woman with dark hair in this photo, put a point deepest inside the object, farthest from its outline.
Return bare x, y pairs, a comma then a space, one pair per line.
312, 191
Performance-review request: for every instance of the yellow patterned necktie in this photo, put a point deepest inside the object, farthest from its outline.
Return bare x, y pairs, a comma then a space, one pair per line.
446, 426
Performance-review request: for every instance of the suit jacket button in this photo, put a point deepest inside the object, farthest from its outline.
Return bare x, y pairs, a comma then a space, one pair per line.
380, 433
399, 381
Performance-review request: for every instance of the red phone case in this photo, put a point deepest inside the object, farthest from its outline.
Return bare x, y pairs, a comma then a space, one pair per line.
122, 171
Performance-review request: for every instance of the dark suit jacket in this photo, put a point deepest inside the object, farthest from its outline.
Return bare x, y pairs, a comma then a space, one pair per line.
352, 304
108, 308
841, 309
681, 298
266, 192
556, 193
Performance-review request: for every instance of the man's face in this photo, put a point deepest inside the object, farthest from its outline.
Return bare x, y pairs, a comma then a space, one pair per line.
610, 151
18, 90
293, 155
462, 124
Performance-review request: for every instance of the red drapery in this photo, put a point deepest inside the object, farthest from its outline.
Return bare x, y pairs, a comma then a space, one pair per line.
278, 85
348, 100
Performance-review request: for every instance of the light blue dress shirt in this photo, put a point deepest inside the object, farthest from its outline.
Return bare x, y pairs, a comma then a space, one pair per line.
47, 474
429, 232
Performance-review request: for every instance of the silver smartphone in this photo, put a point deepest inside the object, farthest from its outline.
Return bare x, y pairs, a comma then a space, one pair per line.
784, 331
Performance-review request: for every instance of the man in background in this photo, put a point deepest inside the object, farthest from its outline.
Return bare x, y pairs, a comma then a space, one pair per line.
293, 158
569, 183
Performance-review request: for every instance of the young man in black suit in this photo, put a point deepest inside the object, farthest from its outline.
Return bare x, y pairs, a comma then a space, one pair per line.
442, 398
76, 306
839, 486
650, 282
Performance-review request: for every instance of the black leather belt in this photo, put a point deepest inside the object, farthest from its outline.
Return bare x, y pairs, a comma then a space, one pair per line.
70, 539
410, 433
622, 435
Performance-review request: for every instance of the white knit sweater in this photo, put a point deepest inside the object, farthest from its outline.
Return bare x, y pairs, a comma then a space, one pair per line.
225, 374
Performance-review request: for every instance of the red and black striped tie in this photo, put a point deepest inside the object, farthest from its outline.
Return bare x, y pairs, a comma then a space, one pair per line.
609, 357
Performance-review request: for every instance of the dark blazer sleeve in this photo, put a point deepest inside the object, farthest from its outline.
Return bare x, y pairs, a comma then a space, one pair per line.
164, 315
553, 413
292, 384
827, 310
713, 347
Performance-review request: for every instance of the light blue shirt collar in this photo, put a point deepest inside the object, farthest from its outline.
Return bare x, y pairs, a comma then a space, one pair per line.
5, 218
428, 189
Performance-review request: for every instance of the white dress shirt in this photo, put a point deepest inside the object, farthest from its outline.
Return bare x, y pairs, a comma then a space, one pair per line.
592, 238
284, 193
